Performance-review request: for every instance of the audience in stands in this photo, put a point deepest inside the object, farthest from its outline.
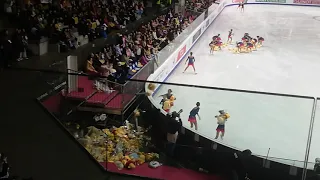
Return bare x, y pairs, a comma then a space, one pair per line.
93, 18
198, 5
134, 50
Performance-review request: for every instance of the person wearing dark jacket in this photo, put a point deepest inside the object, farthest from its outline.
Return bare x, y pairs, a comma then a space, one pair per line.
174, 125
6, 50
4, 168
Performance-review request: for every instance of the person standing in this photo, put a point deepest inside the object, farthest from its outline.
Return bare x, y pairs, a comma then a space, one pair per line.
221, 120
192, 116
190, 62
173, 126
7, 49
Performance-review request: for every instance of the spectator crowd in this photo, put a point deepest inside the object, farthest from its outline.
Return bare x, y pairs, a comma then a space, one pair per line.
134, 50
63, 22
198, 5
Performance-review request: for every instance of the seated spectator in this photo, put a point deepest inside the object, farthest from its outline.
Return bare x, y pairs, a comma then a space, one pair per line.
90, 69
68, 40
94, 18
198, 5
132, 51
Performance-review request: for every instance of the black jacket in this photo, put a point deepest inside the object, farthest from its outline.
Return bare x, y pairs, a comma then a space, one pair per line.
4, 170
174, 125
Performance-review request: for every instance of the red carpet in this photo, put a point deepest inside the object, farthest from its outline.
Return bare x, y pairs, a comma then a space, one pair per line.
87, 86
113, 100
163, 172
52, 103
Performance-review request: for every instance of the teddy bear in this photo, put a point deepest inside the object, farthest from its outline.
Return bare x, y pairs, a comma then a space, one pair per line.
128, 162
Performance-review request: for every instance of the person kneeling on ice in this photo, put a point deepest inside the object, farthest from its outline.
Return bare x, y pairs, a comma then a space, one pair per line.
211, 45
192, 116
216, 38
260, 40
240, 45
250, 46
221, 120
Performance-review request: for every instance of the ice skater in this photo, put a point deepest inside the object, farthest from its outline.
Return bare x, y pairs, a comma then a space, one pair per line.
190, 62
260, 40
221, 120
241, 6
192, 116
230, 36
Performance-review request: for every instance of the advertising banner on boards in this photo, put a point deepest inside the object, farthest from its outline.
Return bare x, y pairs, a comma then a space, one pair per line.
181, 52
306, 1
205, 14
272, 1
196, 35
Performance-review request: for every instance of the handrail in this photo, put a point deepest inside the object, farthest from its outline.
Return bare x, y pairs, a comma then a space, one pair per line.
226, 89
166, 83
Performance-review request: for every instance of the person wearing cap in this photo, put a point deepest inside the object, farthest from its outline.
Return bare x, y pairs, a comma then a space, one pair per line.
221, 120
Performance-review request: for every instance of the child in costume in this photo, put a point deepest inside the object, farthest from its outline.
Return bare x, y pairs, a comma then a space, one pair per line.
221, 120
192, 116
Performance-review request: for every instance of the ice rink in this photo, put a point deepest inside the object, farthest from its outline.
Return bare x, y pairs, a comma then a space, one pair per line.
287, 63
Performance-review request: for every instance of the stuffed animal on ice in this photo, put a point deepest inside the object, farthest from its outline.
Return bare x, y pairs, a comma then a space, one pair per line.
222, 117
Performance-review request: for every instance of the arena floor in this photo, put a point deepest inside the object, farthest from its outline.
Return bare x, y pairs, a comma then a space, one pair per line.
287, 63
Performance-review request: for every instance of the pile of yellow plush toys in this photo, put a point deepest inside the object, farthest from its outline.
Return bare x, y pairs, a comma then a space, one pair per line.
120, 146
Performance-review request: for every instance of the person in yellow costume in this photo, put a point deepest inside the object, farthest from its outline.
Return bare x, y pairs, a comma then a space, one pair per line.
166, 104
76, 19
172, 99
221, 120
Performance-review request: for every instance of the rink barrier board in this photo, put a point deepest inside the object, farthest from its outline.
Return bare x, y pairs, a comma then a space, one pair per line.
195, 41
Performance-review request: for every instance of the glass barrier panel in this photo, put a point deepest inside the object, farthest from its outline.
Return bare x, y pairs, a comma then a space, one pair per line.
313, 167
65, 94
272, 126
131, 88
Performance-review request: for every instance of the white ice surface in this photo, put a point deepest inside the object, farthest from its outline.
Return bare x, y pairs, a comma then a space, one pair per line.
288, 63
